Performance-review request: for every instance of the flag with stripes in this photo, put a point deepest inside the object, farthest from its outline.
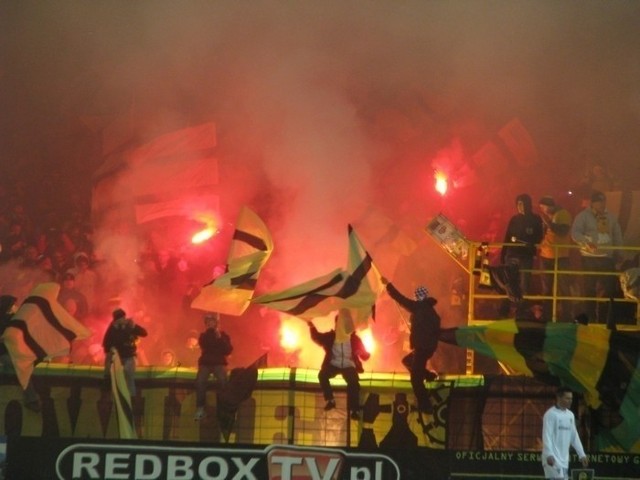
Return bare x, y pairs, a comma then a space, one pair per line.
183, 159
313, 298
599, 363
355, 288
251, 247
122, 398
40, 329
175, 174
364, 283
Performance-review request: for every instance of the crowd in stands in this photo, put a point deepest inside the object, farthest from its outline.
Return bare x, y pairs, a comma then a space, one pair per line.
49, 248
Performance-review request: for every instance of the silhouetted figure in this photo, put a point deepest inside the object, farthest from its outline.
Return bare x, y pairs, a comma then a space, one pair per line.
423, 338
122, 335
215, 346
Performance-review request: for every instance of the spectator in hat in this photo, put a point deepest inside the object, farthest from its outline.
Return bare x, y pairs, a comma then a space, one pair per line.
423, 338
215, 346
122, 336
557, 231
596, 229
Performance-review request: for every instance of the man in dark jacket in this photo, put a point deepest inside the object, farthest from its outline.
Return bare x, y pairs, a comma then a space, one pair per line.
343, 350
524, 232
423, 338
122, 336
215, 346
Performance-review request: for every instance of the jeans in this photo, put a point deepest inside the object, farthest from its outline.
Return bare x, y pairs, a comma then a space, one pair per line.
563, 288
525, 280
597, 311
202, 379
350, 376
417, 375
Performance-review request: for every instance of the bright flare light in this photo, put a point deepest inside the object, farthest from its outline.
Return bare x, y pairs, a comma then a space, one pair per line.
441, 183
368, 340
203, 235
289, 337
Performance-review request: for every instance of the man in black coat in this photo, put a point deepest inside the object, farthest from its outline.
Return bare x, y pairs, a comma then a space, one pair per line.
343, 354
423, 339
215, 346
122, 335
524, 232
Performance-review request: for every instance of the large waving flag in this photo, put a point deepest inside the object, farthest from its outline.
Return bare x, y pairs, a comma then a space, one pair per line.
310, 299
601, 364
355, 288
251, 247
40, 329
122, 398
364, 281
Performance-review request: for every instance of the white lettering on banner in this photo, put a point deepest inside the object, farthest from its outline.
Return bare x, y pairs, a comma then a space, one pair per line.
363, 473
179, 467
114, 462
315, 471
100, 461
286, 464
244, 470
85, 464
203, 468
144, 460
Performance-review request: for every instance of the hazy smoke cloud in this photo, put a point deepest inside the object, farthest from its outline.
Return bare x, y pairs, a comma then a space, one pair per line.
326, 109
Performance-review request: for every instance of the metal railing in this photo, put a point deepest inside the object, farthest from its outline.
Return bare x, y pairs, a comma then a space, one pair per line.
475, 269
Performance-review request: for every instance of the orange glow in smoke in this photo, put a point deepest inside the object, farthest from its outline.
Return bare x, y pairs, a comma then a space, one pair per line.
441, 183
368, 340
289, 337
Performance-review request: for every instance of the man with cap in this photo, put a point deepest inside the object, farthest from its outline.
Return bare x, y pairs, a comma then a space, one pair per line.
122, 336
596, 229
215, 346
423, 338
557, 231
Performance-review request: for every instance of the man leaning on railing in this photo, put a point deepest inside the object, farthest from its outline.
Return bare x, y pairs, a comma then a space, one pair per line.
595, 229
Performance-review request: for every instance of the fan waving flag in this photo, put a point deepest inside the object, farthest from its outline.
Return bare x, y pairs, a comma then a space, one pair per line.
601, 364
251, 247
355, 288
40, 329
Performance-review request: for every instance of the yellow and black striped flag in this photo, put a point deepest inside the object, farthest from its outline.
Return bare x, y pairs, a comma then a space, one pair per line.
251, 247
599, 363
40, 329
355, 288
122, 398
